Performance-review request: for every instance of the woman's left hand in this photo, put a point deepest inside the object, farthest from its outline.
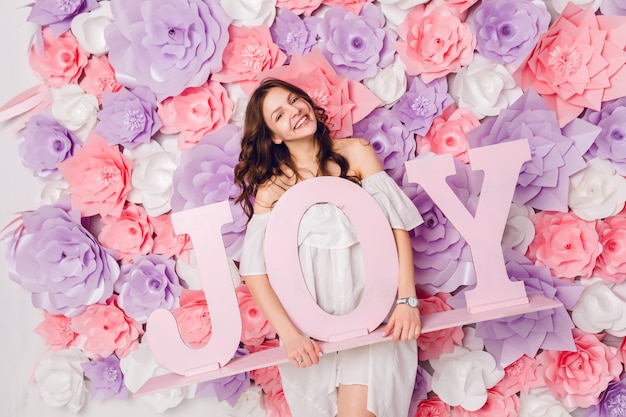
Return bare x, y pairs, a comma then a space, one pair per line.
404, 324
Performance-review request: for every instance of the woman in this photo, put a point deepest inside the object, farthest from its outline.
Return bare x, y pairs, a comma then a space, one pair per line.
286, 141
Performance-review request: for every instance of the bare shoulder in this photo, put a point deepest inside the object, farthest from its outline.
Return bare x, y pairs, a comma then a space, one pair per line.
269, 192
360, 155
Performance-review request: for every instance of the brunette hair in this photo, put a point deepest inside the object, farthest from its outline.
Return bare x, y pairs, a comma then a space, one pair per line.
261, 159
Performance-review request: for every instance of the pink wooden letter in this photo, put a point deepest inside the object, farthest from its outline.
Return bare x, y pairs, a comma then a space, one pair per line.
379, 252
483, 232
203, 224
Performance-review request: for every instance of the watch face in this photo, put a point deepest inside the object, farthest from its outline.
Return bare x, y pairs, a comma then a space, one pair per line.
412, 302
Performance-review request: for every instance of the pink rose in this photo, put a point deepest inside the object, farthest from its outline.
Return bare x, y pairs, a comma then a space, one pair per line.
448, 133
98, 177
498, 404
432, 407
57, 331
249, 52
129, 234
195, 112
61, 61
194, 321
354, 6
577, 63
611, 263
166, 242
99, 77
305, 7
521, 376
434, 344
265, 377
564, 243
275, 402
434, 42
104, 329
578, 378
255, 327
461, 6
345, 101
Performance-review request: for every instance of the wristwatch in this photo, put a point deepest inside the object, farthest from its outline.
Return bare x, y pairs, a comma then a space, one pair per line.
411, 301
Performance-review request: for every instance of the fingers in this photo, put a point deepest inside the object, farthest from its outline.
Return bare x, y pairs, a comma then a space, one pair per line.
306, 355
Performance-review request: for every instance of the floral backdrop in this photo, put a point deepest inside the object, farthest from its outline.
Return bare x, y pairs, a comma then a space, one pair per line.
139, 115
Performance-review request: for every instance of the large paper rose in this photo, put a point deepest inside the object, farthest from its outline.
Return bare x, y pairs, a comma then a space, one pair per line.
58, 15
88, 27
98, 177
44, 143
611, 142
128, 234
74, 109
434, 344
193, 318
59, 379
433, 406
128, 117
564, 243
356, 45
521, 376
612, 402
541, 403
578, 378
434, 42
611, 318
107, 380
507, 31
167, 45
611, 263
59, 61
484, 87
498, 403
276, 403
56, 259
167, 242
519, 230
250, 14
99, 77
196, 112
293, 34
389, 84
55, 329
577, 63
255, 327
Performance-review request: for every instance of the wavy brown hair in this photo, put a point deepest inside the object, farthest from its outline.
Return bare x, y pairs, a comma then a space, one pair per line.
261, 159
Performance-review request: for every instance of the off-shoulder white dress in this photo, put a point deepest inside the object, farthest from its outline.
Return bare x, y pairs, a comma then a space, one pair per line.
332, 265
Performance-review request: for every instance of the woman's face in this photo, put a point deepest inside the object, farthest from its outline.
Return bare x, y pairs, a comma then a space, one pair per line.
288, 116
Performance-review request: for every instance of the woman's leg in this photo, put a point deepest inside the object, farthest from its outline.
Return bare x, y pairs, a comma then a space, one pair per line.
352, 401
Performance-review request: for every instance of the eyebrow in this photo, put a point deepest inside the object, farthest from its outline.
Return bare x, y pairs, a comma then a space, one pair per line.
289, 96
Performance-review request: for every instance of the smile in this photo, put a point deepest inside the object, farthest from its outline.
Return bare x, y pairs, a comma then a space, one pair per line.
300, 122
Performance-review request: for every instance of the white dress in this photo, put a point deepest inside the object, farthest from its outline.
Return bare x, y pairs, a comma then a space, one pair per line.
328, 247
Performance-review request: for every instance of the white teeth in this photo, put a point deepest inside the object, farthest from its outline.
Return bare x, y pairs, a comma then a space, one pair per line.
300, 122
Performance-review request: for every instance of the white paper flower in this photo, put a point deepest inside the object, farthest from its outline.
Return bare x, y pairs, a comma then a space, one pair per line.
597, 191
389, 84
396, 10
153, 167
462, 377
249, 404
250, 13
59, 378
139, 366
519, 230
600, 309
240, 101
88, 28
559, 5
540, 402
74, 109
190, 273
52, 190
484, 87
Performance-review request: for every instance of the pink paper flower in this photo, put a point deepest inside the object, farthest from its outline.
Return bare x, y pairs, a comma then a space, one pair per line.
166, 241
305, 7
195, 112
432, 407
564, 243
611, 263
461, 6
434, 41
275, 402
104, 329
99, 77
194, 321
354, 6
98, 177
268, 376
57, 331
498, 404
578, 378
434, 344
577, 63
255, 327
448, 133
60, 62
521, 376
621, 351
249, 52
345, 101
128, 234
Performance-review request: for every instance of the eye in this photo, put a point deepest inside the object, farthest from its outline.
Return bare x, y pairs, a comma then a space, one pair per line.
279, 116
294, 99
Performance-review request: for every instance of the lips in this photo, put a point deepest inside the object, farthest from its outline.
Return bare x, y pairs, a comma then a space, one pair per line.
300, 122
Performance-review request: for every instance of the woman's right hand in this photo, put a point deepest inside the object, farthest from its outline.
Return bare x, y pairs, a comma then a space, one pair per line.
302, 351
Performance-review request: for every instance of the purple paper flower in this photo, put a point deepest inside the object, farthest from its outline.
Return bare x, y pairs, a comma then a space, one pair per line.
293, 34
167, 45
147, 284
44, 143
107, 380
205, 176
441, 257
613, 7
356, 46
422, 103
55, 258
389, 138
228, 388
611, 142
612, 401
128, 117
544, 180
506, 31
58, 14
